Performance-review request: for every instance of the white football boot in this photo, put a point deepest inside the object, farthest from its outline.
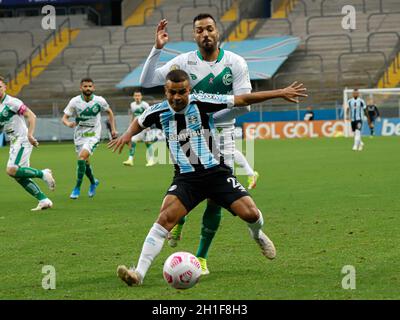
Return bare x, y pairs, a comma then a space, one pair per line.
130, 277
266, 245
43, 205
48, 178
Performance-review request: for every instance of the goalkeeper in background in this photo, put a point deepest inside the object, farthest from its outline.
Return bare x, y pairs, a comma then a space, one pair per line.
372, 113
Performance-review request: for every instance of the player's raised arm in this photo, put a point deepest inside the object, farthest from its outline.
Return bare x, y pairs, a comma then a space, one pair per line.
31, 117
290, 93
118, 144
151, 76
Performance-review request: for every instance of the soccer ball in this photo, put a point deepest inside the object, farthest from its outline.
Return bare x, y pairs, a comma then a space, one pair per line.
182, 270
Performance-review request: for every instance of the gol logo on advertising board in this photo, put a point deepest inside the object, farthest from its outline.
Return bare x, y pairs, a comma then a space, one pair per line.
294, 129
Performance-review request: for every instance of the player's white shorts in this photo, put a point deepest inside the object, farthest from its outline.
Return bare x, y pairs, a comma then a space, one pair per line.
226, 143
20, 153
88, 144
145, 136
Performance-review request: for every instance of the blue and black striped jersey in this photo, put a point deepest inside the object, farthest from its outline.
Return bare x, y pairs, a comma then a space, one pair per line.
190, 133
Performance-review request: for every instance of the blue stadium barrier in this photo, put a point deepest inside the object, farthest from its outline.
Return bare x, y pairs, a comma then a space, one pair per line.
268, 116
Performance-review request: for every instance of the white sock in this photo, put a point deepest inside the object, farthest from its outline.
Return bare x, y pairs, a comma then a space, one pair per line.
130, 158
357, 138
151, 248
255, 227
241, 160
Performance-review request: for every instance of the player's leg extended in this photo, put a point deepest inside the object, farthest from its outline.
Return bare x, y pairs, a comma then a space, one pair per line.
171, 211
247, 210
80, 172
211, 221
176, 233
93, 181
132, 150
18, 167
149, 154
241, 160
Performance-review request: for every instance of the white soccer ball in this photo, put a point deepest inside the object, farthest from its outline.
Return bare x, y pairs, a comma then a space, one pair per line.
182, 270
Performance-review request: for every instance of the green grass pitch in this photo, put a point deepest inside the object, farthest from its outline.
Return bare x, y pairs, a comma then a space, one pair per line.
324, 206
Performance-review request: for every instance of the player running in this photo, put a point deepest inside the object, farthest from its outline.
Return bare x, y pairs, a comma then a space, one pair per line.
86, 108
211, 70
22, 141
372, 113
356, 109
137, 108
200, 169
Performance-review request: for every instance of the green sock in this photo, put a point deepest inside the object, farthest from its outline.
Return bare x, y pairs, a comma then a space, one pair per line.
149, 150
32, 188
211, 219
26, 172
132, 149
89, 173
80, 172
182, 221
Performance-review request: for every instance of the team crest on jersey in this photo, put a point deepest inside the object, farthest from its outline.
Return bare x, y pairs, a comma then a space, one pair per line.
5, 113
174, 67
227, 79
96, 108
193, 76
192, 120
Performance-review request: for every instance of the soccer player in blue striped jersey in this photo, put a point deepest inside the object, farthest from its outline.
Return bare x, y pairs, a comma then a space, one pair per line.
356, 110
200, 170
212, 70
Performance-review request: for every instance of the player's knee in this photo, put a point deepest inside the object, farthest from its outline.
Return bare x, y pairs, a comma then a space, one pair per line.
11, 171
167, 219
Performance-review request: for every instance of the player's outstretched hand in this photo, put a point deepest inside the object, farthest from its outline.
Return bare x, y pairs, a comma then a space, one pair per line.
161, 34
294, 91
33, 141
118, 144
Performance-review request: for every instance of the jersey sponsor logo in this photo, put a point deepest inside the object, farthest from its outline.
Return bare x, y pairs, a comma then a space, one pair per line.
186, 134
227, 79
192, 63
211, 80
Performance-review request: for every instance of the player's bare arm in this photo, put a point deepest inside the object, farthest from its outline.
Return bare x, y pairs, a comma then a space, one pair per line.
118, 144
291, 93
67, 123
162, 37
111, 119
31, 117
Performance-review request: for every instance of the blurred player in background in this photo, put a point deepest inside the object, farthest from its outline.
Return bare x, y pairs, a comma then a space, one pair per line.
12, 114
86, 108
309, 115
138, 106
211, 70
372, 114
356, 109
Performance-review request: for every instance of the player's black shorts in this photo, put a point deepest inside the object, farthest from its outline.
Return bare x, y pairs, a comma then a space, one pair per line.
356, 125
372, 116
217, 184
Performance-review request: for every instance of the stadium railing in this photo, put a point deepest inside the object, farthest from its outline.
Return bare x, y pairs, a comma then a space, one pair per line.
96, 29
103, 54
14, 52
154, 9
124, 45
21, 32
192, 7
91, 65
185, 25
135, 27
310, 55
291, 4
50, 68
314, 36
372, 34
323, 1
379, 14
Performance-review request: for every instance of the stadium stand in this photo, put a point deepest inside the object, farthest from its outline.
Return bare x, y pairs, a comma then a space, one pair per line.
328, 59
